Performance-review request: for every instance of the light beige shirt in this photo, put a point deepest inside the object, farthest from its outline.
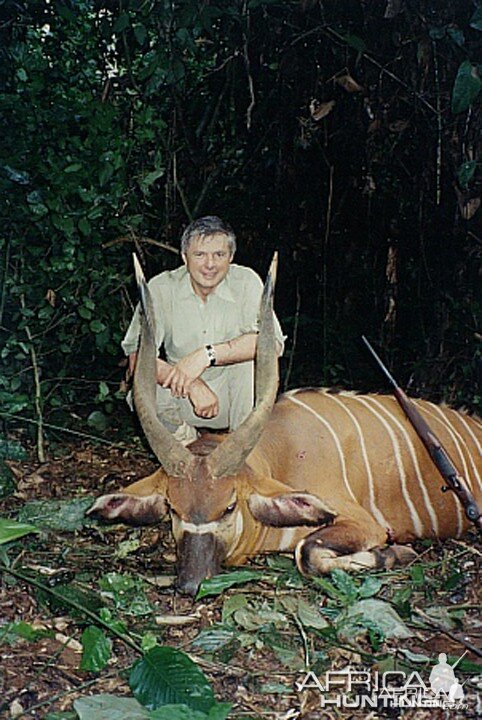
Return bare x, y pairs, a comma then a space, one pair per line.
184, 322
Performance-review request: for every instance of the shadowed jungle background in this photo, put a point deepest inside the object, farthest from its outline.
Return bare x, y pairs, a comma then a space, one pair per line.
346, 135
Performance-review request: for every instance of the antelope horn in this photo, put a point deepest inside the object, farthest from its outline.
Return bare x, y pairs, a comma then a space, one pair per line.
228, 457
173, 456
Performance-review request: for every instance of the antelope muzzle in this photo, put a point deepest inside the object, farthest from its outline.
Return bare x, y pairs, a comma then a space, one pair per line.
199, 557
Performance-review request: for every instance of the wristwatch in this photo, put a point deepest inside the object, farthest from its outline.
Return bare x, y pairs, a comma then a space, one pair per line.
211, 355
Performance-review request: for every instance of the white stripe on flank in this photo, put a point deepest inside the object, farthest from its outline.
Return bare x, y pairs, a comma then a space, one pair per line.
237, 533
335, 439
439, 417
375, 510
413, 454
477, 444
448, 424
470, 431
416, 522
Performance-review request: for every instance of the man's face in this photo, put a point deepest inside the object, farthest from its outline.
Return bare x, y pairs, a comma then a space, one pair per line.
207, 261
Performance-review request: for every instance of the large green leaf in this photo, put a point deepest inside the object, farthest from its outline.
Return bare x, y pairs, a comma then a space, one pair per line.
214, 637
217, 584
66, 515
466, 87
66, 597
12, 631
371, 585
465, 172
345, 583
97, 649
373, 615
167, 676
11, 530
476, 19
220, 711
309, 615
109, 707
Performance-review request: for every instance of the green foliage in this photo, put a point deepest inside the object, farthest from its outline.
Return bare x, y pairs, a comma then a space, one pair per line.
345, 588
11, 530
126, 592
67, 515
219, 583
71, 598
376, 616
7, 481
96, 649
120, 123
11, 632
466, 172
476, 19
466, 87
219, 711
167, 676
11, 450
110, 707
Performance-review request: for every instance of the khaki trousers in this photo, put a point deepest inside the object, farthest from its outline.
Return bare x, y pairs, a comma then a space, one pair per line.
234, 388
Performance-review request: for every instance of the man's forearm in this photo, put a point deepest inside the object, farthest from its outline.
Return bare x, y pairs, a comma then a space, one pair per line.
163, 369
237, 350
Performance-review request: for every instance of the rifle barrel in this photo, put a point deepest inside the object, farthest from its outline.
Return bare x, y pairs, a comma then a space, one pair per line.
437, 452
380, 363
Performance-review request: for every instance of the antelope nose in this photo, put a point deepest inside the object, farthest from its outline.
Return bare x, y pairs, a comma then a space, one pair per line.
188, 586
199, 556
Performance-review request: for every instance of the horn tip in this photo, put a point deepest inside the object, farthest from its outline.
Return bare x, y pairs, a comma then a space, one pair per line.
138, 270
274, 267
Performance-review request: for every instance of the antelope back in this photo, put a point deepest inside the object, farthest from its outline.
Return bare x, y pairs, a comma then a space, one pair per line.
348, 447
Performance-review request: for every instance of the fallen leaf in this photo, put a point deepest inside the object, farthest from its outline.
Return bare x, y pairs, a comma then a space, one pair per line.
320, 110
16, 709
51, 297
69, 642
348, 83
468, 209
398, 125
176, 619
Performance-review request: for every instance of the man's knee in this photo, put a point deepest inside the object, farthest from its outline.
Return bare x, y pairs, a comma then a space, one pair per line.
241, 393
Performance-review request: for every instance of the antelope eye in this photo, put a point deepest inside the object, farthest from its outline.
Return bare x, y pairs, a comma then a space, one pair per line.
230, 508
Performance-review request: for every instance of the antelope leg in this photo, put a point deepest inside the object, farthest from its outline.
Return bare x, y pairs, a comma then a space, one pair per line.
349, 544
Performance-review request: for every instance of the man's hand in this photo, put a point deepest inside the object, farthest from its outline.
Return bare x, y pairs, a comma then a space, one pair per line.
204, 401
163, 370
181, 376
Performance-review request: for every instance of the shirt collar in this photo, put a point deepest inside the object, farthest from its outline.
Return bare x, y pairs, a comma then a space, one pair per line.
223, 290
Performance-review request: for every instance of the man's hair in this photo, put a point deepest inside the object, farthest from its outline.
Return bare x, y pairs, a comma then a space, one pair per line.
205, 226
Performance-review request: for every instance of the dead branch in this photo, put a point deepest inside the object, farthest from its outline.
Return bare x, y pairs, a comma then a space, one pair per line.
141, 239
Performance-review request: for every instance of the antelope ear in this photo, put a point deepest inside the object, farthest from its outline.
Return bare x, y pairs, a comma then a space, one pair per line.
290, 509
132, 509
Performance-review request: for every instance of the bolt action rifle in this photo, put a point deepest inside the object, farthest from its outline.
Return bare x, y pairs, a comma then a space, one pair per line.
437, 452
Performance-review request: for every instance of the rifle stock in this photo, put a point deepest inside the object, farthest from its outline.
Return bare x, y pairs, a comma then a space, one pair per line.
437, 452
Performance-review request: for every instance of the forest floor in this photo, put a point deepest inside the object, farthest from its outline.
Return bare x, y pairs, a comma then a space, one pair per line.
254, 642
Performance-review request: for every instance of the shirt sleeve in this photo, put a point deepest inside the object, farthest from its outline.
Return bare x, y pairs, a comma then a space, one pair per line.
130, 343
251, 304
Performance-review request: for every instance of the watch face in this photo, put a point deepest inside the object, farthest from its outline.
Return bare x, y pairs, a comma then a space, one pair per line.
211, 355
